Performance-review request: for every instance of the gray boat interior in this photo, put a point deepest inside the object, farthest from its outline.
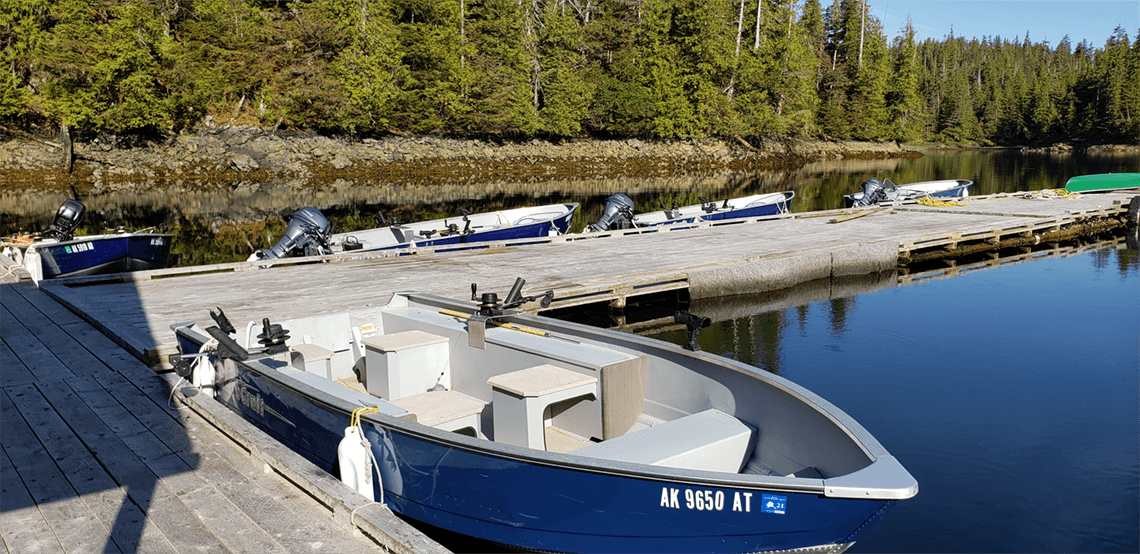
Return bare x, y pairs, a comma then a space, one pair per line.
591, 393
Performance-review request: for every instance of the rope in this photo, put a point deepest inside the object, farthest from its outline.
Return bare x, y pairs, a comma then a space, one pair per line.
352, 519
929, 201
354, 421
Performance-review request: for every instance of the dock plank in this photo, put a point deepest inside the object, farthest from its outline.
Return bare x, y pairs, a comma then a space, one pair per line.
75, 527
147, 490
22, 526
14, 372
228, 523
35, 356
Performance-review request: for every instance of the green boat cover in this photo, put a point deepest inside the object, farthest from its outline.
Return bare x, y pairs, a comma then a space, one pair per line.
1104, 181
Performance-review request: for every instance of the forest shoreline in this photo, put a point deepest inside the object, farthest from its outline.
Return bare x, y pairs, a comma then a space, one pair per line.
232, 156
236, 156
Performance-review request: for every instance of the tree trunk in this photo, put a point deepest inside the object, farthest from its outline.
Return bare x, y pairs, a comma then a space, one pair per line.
68, 149
759, 10
862, 25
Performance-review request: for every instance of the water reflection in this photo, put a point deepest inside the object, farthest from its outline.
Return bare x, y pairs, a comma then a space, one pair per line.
246, 213
754, 328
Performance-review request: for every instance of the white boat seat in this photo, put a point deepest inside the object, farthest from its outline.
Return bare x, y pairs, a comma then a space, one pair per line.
399, 365
446, 410
520, 399
318, 360
707, 441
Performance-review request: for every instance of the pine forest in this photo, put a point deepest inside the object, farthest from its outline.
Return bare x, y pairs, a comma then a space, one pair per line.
551, 68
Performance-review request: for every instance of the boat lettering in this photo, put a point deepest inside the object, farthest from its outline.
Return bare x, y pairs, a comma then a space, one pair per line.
707, 500
245, 396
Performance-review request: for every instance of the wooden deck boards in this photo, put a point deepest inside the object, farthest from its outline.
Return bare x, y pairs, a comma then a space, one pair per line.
95, 458
140, 308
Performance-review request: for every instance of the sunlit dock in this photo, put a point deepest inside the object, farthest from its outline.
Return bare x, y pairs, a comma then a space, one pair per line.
98, 458
125, 469
733, 257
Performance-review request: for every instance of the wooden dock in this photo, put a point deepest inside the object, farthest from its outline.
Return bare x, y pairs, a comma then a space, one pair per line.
711, 260
96, 458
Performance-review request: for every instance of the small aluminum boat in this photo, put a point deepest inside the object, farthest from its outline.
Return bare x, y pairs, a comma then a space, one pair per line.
309, 233
57, 252
875, 192
618, 213
544, 435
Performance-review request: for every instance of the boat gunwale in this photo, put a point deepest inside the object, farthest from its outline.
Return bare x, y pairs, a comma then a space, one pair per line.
851, 428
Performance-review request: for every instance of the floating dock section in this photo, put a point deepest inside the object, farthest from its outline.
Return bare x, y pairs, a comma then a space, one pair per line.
706, 260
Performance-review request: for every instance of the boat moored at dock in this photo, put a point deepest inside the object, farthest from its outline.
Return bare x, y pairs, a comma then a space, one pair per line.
57, 252
310, 234
618, 213
546, 435
876, 192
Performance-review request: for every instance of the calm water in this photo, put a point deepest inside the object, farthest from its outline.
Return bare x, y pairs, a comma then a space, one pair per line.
1010, 393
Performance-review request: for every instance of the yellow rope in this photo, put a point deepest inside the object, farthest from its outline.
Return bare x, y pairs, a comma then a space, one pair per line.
928, 201
355, 420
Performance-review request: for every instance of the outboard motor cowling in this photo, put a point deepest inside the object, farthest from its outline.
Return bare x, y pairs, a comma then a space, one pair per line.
873, 192
618, 214
308, 233
67, 219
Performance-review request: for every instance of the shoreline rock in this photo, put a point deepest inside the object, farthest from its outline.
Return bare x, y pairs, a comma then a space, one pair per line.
249, 156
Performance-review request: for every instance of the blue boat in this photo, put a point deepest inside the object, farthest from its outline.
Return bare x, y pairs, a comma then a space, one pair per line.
618, 213
876, 192
57, 252
538, 434
309, 233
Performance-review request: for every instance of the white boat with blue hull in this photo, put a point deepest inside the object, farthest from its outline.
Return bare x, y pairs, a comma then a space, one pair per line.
310, 234
618, 212
877, 192
545, 435
57, 252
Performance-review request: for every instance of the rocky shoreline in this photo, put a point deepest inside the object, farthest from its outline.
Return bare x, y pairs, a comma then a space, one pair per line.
250, 156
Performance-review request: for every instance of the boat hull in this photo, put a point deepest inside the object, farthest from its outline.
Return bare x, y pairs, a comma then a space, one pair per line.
102, 254
758, 206
1103, 182
409, 236
958, 188
531, 504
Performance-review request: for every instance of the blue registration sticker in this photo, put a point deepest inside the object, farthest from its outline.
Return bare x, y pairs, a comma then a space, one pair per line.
774, 504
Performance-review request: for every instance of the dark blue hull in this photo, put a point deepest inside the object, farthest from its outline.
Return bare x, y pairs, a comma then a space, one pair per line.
536, 230
505, 496
758, 211
102, 254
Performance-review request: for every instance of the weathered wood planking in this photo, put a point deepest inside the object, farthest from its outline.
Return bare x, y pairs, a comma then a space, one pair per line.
22, 525
140, 308
95, 459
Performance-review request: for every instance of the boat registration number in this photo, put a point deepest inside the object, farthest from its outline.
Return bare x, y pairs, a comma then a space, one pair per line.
717, 501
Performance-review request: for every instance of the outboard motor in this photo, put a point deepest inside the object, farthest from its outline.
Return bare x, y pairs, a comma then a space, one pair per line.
617, 215
873, 192
67, 219
308, 232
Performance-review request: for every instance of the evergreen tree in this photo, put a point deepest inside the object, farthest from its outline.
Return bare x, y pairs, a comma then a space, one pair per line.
433, 47
904, 105
499, 75
23, 33
565, 94
369, 66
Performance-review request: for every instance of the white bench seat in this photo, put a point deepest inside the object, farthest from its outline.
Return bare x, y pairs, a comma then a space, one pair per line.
446, 410
707, 441
521, 397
